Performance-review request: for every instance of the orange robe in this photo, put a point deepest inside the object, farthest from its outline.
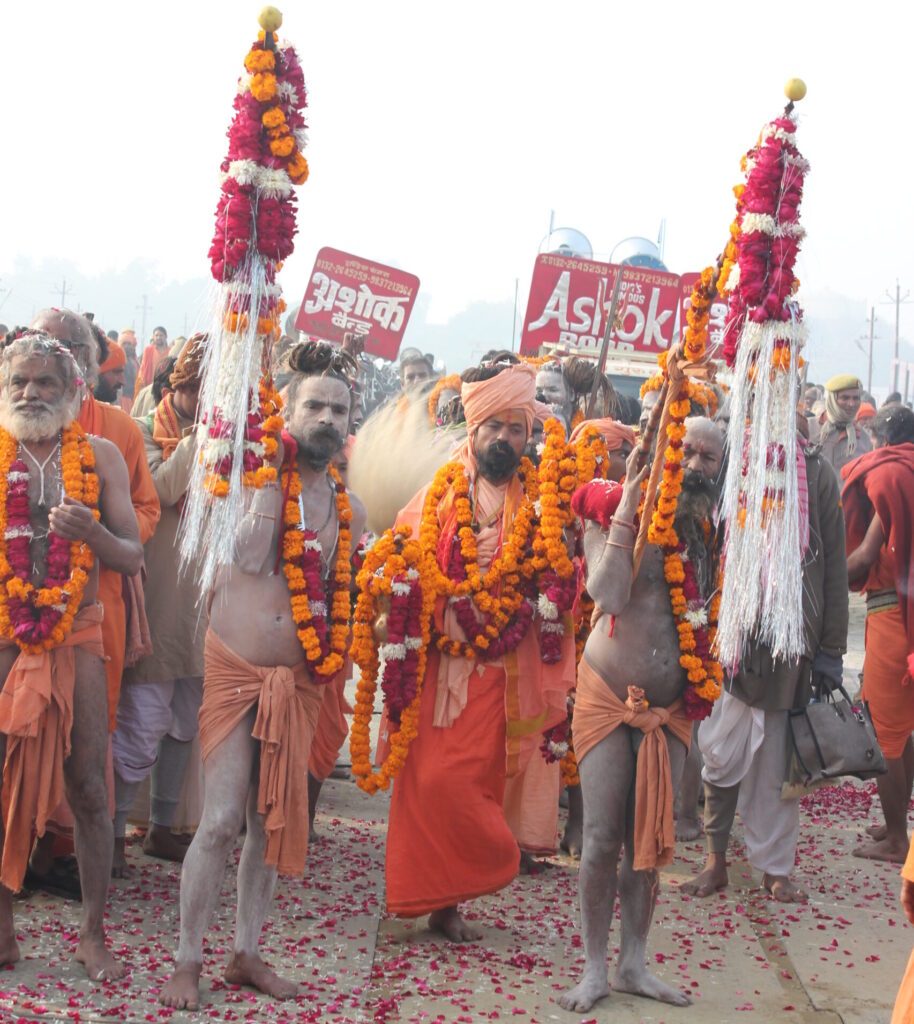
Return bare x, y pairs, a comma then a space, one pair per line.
36, 714
448, 839
887, 687
332, 726
597, 713
288, 704
148, 364
904, 1001
116, 426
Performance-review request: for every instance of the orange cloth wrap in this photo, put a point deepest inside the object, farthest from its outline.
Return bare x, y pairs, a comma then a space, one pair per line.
117, 357
886, 686
332, 727
288, 705
117, 427
597, 712
447, 838
36, 715
615, 434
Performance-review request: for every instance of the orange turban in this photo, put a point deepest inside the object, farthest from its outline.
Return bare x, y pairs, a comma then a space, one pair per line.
186, 373
866, 411
127, 335
513, 388
615, 434
117, 358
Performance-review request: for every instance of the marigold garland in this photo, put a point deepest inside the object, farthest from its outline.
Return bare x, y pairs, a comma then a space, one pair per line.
39, 618
393, 561
321, 614
450, 383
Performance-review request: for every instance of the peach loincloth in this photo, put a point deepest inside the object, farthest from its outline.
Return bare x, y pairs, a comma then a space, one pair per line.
904, 1001
597, 713
36, 714
288, 705
332, 726
447, 837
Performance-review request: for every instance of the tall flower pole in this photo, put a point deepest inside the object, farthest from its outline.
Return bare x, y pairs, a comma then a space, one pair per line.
239, 420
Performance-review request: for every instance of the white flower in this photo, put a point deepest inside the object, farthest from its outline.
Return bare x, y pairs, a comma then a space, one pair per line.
244, 83
392, 652
18, 531
312, 545
553, 627
547, 609
318, 608
413, 643
696, 617
538, 508
400, 589
558, 750
16, 477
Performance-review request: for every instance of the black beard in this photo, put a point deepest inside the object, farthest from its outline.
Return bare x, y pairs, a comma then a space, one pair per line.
105, 394
498, 462
320, 445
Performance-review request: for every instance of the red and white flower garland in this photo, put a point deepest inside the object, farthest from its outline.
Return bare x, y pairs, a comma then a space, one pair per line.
762, 589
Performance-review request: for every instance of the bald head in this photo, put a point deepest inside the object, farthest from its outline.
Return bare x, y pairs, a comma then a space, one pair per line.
75, 333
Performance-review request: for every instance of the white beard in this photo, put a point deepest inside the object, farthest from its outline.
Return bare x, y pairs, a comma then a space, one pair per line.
38, 425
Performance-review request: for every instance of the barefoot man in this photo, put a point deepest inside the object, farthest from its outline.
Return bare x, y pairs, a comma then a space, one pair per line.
483, 709
66, 506
744, 741
631, 741
263, 683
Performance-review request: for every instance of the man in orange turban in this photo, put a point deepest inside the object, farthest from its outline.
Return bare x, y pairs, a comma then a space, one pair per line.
111, 377
481, 720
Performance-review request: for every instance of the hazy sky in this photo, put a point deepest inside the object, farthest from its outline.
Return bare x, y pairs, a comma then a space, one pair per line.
443, 135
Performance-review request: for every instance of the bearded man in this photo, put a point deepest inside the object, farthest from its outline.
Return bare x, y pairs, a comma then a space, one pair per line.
110, 384
66, 508
744, 741
262, 691
160, 698
631, 746
75, 333
840, 437
480, 721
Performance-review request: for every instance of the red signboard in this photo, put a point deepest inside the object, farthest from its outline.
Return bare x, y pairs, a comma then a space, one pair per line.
716, 320
347, 294
570, 299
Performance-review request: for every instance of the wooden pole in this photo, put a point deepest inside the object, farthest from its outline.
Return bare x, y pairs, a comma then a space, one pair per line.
604, 351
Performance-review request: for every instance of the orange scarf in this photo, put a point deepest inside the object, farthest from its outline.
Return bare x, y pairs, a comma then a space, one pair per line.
166, 430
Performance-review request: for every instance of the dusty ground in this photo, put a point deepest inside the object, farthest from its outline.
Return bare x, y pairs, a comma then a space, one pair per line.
740, 955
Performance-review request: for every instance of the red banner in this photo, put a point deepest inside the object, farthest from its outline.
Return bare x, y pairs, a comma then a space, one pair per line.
716, 321
570, 300
349, 294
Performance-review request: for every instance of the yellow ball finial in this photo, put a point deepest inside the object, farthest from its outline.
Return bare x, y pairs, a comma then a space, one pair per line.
270, 18
795, 89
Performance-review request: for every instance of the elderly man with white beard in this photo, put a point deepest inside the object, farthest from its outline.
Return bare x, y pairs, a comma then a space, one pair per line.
65, 505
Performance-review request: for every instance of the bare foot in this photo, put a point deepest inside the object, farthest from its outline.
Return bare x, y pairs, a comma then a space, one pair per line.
120, 866
638, 982
452, 926
783, 889
687, 829
248, 969
890, 849
529, 865
162, 843
573, 841
711, 880
580, 998
182, 990
876, 831
99, 963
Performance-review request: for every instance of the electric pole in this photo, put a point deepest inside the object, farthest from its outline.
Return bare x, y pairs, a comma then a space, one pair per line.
62, 291
898, 300
144, 309
869, 367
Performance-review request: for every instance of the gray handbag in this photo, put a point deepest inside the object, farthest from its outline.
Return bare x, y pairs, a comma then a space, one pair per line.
833, 737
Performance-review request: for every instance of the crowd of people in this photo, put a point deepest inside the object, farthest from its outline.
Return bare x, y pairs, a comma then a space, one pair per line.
115, 669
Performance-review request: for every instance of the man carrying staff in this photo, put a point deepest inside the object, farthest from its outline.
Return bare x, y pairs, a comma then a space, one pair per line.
269, 655
66, 507
631, 743
480, 721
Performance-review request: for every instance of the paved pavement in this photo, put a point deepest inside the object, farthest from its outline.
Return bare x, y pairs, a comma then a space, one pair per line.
740, 955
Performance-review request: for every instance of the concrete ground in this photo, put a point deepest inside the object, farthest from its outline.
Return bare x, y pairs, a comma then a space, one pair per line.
741, 956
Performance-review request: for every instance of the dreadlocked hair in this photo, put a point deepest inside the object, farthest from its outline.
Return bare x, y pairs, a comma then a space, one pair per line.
320, 359
580, 374
491, 365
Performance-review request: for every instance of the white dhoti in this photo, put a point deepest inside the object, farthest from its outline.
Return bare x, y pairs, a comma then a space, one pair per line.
745, 756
